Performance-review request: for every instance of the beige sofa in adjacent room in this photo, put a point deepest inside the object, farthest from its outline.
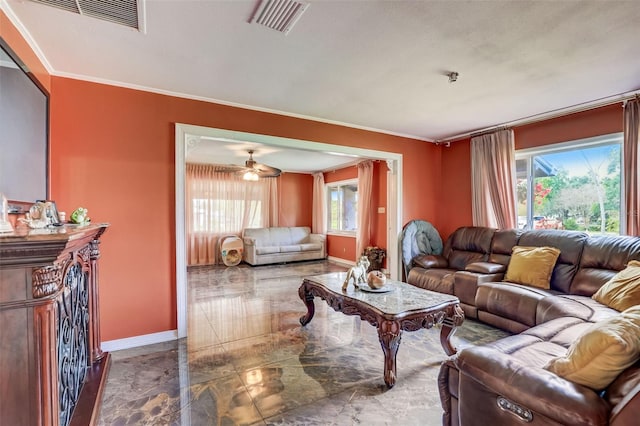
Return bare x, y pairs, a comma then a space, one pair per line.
282, 244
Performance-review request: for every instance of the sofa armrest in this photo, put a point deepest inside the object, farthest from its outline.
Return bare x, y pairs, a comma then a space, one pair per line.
428, 261
628, 410
249, 253
465, 284
486, 267
495, 373
317, 238
448, 388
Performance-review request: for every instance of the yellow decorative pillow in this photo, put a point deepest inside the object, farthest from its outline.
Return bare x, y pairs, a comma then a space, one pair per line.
532, 265
605, 350
623, 290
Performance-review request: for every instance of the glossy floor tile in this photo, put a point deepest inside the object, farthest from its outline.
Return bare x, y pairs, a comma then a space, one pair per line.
247, 361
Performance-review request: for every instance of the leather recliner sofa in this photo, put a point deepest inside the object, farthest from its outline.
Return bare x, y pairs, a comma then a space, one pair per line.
504, 383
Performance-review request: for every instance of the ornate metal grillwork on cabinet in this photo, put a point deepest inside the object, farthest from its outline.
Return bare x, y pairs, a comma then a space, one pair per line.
72, 339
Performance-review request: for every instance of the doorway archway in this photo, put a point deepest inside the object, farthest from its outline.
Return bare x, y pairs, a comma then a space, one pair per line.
189, 134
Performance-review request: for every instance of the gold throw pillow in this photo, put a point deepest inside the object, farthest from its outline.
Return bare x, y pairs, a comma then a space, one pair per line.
623, 290
532, 265
606, 349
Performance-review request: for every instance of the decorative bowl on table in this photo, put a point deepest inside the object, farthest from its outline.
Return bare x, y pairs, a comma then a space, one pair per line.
376, 279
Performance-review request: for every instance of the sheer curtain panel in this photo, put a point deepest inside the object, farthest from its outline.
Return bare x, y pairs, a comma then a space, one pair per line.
365, 183
319, 215
221, 204
493, 180
631, 178
273, 200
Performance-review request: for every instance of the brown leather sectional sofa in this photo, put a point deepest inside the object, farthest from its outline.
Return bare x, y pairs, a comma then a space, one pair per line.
503, 383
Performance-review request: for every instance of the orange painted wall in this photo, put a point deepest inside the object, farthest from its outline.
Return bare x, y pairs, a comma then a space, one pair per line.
595, 122
422, 173
113, 153
296, 199
455, 194
346, 173
341, 247
455, 188
110, 155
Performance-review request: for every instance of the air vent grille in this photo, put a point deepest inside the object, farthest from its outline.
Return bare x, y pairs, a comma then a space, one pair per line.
279, 15
124, 12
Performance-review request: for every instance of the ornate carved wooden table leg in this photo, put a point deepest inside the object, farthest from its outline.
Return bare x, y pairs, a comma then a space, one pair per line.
307, 298
389, 333
454, 319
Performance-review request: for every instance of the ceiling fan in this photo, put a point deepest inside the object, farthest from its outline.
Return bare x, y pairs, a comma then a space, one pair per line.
253, 170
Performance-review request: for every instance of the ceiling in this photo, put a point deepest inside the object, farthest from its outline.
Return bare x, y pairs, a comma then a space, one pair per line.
371, 64
228, 152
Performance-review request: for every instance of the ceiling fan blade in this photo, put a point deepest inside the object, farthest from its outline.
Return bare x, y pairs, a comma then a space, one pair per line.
250, 165
266, 171
230, 168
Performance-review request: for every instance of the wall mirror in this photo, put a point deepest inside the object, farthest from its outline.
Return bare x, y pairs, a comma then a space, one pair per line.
24, 131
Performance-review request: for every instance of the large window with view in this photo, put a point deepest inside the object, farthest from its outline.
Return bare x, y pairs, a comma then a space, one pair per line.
225, 216
342, 207
574, 185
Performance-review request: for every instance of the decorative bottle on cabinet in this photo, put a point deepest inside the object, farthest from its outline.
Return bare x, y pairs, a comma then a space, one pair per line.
5, 225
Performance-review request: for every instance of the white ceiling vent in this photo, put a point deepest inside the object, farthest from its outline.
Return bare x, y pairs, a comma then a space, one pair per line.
124, 12
279, 15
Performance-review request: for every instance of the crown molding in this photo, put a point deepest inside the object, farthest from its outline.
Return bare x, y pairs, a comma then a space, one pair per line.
24, 32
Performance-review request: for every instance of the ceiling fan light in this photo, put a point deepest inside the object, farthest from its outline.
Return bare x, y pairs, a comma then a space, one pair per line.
250, 176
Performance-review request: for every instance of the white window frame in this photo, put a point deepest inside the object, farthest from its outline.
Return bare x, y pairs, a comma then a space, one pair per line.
327, 186
592, 142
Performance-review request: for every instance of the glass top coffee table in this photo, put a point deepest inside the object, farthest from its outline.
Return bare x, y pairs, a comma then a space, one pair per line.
402, 307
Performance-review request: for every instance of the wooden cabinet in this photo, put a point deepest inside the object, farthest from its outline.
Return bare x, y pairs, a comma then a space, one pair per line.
52, 369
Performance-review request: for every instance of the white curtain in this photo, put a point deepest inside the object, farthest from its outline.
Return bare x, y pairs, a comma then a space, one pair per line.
493, 180
221, 204
631, 178
273, 200
365, 183
319, 209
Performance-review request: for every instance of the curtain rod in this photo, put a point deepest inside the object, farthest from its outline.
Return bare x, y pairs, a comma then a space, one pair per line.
586, 106
485, 132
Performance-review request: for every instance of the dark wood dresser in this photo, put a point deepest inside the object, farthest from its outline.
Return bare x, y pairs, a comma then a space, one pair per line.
52, 370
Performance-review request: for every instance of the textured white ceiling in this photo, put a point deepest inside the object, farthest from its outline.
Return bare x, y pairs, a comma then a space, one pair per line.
212, 151
374, 64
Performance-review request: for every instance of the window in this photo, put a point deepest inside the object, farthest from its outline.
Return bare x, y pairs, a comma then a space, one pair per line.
225, 216
342, 205
574, 185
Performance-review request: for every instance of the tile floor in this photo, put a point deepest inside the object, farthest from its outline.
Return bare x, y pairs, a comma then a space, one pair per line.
247, 361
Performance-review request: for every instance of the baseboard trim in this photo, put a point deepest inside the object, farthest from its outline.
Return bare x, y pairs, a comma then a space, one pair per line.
341, 261
135, 341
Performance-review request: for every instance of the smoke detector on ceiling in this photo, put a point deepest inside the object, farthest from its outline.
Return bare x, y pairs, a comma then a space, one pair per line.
279, 15
125, 12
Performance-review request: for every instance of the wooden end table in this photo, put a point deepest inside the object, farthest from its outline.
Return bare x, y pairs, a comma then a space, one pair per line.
405, 307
